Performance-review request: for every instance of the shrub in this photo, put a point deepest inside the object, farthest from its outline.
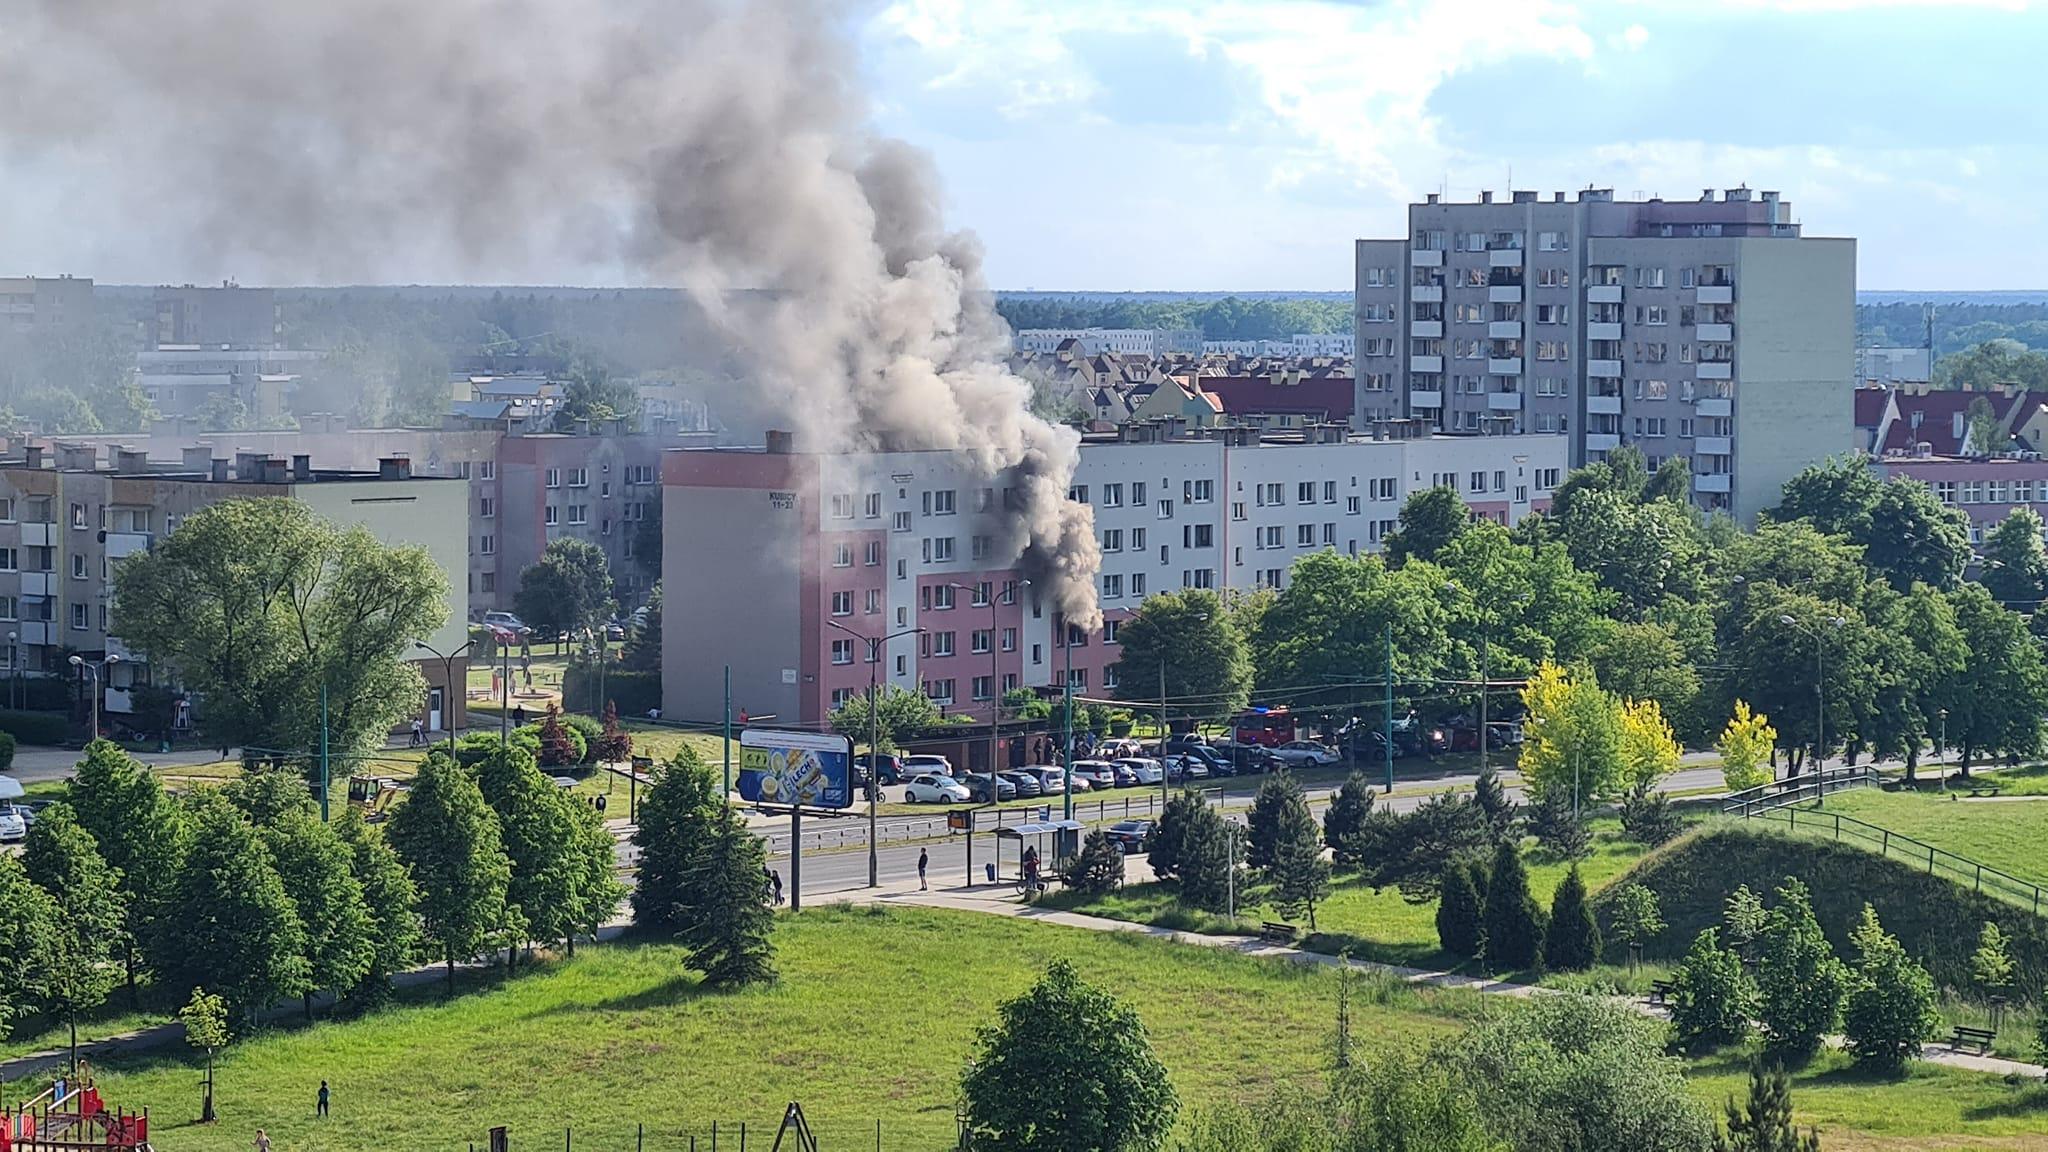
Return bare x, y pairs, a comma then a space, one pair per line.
1712, 998
1558, 828
47, 728
1098, 869
6, 751
1514, 923
1461, 911
1572, 941
1648, 818
591, 732
633, 692
614, 744
1800, 983
1766, 1126
1891, 1000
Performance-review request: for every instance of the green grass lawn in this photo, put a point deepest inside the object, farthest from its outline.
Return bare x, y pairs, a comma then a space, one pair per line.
1379, 926
2031, 780
2010, 837
872, 1019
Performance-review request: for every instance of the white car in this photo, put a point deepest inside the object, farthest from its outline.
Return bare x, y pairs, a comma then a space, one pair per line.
1305, 754
13, 824
1097, 773
927, 766
934, 789
1147, 771
506, 622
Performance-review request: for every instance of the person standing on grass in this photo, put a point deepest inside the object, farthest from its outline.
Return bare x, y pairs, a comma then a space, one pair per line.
776, 877
321, 1108
923, 860
262, 1141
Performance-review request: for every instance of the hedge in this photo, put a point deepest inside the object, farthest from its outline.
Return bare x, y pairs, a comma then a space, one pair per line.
633, 692
50, 728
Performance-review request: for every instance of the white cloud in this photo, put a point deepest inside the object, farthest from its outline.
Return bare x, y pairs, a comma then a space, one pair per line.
1635, 36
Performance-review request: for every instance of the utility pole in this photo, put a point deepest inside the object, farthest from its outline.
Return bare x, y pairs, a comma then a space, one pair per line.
1485, 682
1388, 751
1164, 793
505, 695
726, 796
323, 751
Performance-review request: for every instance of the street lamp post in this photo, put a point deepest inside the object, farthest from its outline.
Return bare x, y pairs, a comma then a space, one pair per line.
96, 671
1941, 749
447, 684
13, 669
874, 733
1820, 701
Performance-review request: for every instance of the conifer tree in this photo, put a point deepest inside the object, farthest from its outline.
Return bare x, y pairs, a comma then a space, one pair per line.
1345, 816
1766, 1126
1208, 855
1461, 911
1269, 809
678, 814
1514, 922
728, 928
1572, 941
1300, 874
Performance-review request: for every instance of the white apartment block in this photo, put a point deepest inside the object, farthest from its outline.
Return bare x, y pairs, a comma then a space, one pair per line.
820, 553
1710, 330
1338, 345
1123, 341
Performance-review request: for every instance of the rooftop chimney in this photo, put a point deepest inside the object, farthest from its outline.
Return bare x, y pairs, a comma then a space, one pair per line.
275, 471
32, 455
219, 470
197, 459
1525, 197
248, 465
77, 457
1486, 197
129, 462
302, 467
1433, 198
781, 442
394, 468
1557, 197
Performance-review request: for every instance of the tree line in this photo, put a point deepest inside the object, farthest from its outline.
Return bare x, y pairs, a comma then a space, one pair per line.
1228, 318
1853, 583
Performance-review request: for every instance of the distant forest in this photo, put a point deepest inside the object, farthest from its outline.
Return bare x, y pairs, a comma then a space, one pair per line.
1219, 318
1957, 326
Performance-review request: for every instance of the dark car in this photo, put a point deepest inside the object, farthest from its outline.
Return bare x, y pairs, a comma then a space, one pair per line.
1248, 759
977, 788
1129, 835
1182, 742
1368, 745
1027, 786
1179, 768
891, 767
1219, 764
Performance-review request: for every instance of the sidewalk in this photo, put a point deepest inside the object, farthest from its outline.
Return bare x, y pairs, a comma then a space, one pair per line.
1003, 900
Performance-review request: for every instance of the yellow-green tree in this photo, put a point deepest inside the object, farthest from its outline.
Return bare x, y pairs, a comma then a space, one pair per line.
1649, 749
1572, 738
1745, 748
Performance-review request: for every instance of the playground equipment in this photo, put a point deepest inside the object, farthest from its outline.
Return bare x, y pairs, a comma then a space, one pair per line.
70, 1117
373, 794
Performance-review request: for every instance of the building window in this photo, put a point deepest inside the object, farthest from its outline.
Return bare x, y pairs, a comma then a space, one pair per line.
902, 522
941, 691
1078, 493
842, 651
579, 477
1198, 491
841, 696
1138, 584
983, 546
1009, 639
979, 640
942, 597
1112, 495
874, 601
77, 566
579, 513
486, 508
842, 603
552, 478
984, 687
872, 505
1351, 506
939, 502
80, 619
1112, 540
1649, 277
1112, 587
8, 609
1199, 578
842, 555
872, 553
486, 545
842, 506
550, 515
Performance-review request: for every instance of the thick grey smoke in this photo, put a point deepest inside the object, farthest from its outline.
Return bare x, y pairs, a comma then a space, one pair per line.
718, 145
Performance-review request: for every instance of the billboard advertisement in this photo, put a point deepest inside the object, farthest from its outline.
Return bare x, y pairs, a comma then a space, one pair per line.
807, 769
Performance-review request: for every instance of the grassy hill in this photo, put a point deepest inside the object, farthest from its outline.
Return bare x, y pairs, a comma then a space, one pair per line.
2010, 835
1937, 920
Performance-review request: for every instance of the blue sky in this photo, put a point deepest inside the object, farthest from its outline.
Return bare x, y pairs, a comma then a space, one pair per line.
1181, 144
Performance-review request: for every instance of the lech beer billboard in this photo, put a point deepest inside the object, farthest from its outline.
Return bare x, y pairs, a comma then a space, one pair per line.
807, 769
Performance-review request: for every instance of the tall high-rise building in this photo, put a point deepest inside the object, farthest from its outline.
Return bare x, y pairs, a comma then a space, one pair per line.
1710, 330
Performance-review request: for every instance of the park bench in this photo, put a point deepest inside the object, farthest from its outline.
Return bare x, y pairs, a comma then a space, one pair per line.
1274, 932
1977, 1038
1661, 990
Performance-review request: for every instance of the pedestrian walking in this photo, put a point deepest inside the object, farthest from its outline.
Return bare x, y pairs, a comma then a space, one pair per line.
768, 882
777, 878
419, 730
321, 1108
600, 804
924, 860
518, 715
262, 1141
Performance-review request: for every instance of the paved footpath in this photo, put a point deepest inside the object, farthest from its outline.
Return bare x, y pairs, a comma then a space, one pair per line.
1003, 900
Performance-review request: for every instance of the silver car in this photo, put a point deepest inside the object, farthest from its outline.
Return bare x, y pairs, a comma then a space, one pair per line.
1147, 771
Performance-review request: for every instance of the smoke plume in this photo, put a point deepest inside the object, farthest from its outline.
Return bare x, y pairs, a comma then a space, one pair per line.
721, 146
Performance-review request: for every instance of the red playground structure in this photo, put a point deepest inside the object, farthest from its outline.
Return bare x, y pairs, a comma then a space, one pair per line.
71, 1117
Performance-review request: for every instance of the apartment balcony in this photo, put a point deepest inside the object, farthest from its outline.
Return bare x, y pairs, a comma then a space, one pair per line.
1504, 258
1720, 371
1426, 399
38, 535
1603, 368
1711, 482
1426, 329
115, 647
38, 583
1427, 294
1714, 406
1713, 445
1425, 363
1603, 405
1715, 294
1602, 441
36, 633
1504, 401
120, 544
119, 700
1717, 333
1509, 367
1504, 295
1603, 331
1504, 330
1426, 258
1603, 293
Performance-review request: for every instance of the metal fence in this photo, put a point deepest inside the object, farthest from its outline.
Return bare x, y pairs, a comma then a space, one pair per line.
1980, 877
717, 1136
852, 832
1792, 790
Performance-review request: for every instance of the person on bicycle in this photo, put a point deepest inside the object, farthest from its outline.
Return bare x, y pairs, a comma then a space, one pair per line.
1031, 883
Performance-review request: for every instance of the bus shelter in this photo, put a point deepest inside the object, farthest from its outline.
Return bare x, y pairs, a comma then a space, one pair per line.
1035, 835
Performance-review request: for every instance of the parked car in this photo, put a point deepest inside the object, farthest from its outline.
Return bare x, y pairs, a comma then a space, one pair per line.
1179, 768
1368, 744
1052, 781
1027, 785
1305, 754
1219, 764
1129, 835
506, 622
935, 789
1180, 742
927, 765
889, 765
1146, 771
1125, 778
614, 630
1098, 773
1247, 759
13, 823
977, 788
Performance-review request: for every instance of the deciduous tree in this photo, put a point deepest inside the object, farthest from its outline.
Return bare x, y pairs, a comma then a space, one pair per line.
1891, 1006
1430, 520
2015, 562
448, 836
1067, 1067
1712, 998
391, 899
1330, 626
235, 929
1409, 850
140, 833
1800, 983
1572, 737
30, 947
1188, 638
62, 860
318, 872
567, 591
898, 712
1745, 748
1995, 703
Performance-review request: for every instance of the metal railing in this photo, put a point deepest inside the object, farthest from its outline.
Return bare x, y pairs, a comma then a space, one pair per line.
1982, 878
1793, 790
